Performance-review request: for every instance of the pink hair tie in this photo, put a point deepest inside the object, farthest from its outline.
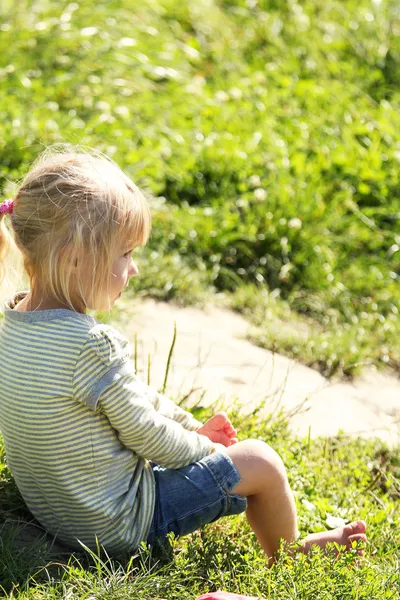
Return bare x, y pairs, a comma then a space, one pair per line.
6, 207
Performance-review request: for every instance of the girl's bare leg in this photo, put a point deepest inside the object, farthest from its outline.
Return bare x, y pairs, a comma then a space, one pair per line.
271, 508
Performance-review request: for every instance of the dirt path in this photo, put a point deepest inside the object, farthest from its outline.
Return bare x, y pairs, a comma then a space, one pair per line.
211, 353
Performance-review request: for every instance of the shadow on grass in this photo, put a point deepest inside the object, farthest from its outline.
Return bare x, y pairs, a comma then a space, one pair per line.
29, 555
25, 548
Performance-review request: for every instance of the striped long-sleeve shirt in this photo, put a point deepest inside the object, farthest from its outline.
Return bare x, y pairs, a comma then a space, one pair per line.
80, 428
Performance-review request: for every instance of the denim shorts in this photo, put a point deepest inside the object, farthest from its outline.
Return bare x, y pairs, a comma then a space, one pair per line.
188, 498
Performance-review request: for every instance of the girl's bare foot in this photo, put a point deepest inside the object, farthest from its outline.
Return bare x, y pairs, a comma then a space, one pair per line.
343, 536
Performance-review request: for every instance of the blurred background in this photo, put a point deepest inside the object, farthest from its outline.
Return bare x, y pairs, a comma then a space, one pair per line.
266, 135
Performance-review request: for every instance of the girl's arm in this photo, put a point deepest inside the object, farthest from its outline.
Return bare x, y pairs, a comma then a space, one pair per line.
106, 383
128, 406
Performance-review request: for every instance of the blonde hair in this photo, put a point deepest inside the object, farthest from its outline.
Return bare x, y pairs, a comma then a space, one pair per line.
74, 205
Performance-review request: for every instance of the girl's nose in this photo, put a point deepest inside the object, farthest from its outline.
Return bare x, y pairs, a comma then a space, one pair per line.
133, 270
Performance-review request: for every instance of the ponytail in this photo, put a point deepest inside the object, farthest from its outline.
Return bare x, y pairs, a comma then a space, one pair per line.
10, 257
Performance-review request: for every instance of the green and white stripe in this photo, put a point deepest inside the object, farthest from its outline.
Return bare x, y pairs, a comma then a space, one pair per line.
79, 428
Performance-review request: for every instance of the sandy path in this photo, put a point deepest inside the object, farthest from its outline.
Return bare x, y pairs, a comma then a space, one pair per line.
212, 354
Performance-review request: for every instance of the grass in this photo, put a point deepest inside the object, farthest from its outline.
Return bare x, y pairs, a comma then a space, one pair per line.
336, 477
266, 134
343, 351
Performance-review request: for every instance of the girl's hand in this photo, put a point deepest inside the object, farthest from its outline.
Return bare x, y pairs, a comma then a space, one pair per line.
219, 430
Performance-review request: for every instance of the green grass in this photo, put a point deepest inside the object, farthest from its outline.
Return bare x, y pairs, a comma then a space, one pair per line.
267, 136
335, 477
340, 349
267, 133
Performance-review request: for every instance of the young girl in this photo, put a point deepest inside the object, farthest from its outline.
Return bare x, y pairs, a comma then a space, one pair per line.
98, 455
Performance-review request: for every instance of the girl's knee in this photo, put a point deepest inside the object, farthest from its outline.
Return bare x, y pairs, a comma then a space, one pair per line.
267, 455
259, 457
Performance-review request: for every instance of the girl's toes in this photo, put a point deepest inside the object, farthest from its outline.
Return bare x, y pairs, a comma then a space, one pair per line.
356, 527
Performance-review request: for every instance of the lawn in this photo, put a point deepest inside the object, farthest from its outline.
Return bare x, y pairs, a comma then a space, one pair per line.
332, 479
266, 136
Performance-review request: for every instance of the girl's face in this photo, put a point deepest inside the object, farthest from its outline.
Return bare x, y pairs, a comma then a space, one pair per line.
123, 268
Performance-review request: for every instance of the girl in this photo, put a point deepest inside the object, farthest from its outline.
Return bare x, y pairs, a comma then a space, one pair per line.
96, 454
